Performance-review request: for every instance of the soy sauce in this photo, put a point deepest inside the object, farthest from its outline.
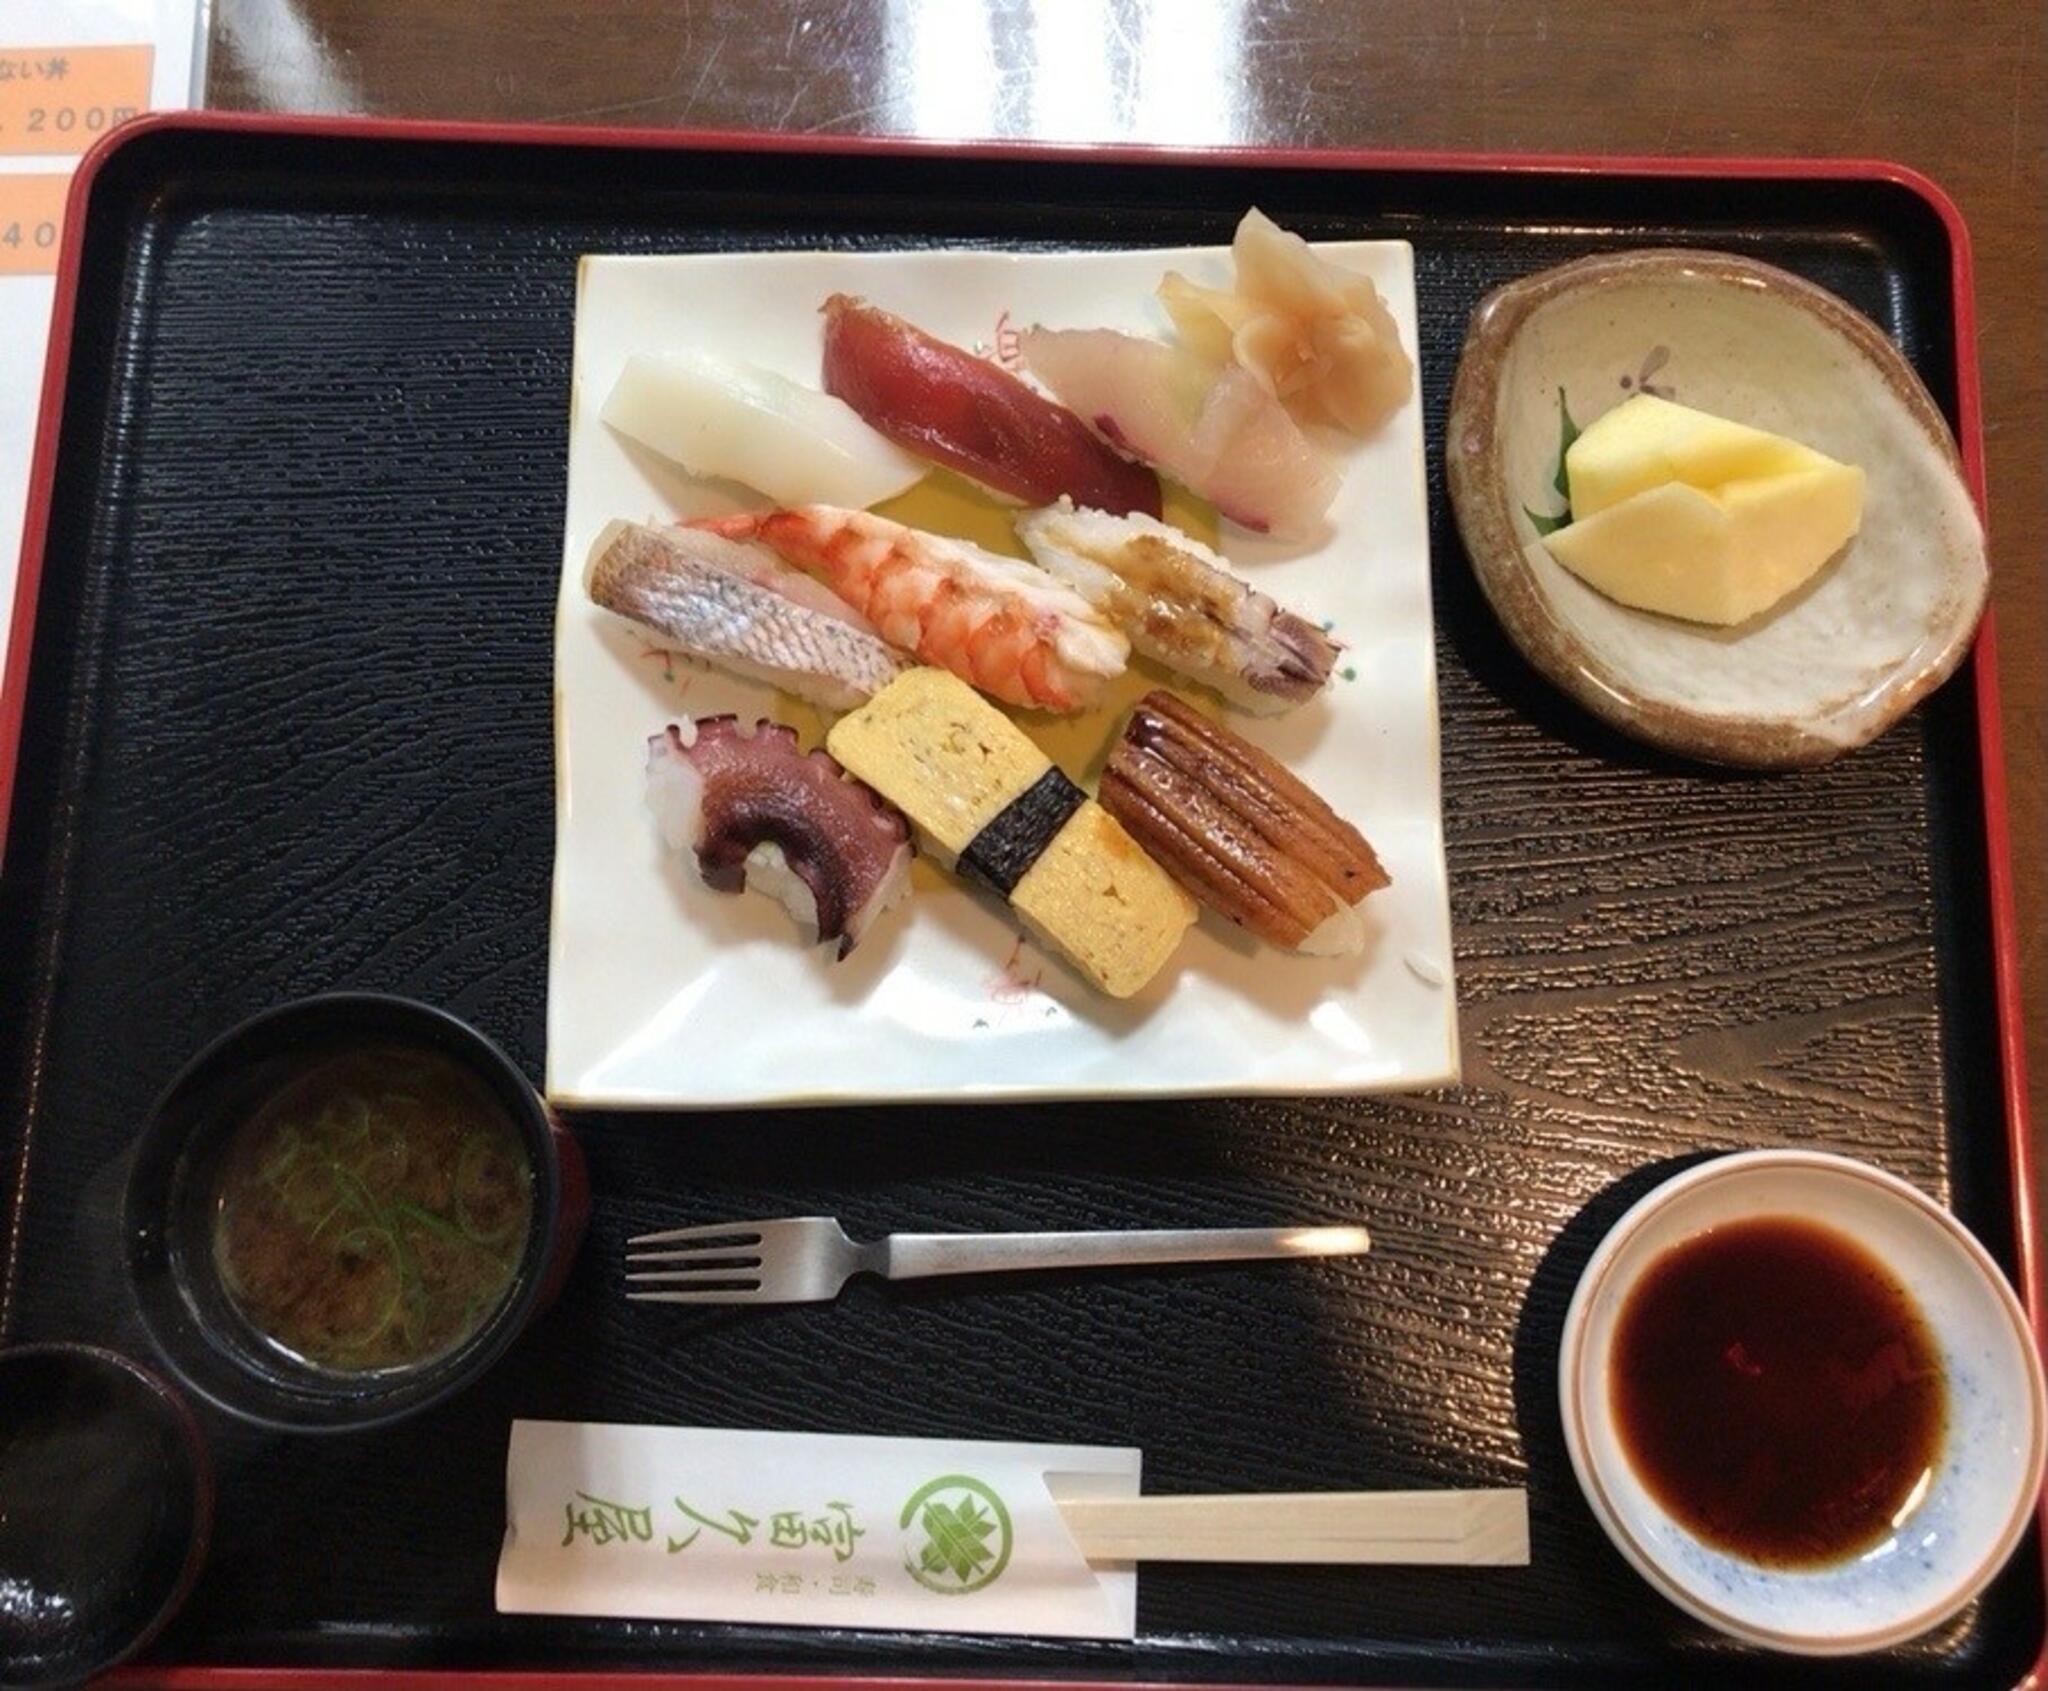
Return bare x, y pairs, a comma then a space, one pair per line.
1778, 1392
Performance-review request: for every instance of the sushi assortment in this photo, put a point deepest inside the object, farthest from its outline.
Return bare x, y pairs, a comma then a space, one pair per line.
908, 634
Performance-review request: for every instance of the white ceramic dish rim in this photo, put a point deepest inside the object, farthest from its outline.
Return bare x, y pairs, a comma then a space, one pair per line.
1571, 1362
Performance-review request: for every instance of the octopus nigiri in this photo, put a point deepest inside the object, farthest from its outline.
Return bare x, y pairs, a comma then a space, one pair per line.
756, 811
1216, 431
1002, 625
742, 608
1181, 606
972, 415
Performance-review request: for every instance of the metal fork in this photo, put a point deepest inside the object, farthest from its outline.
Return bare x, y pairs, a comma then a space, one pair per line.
808, 1258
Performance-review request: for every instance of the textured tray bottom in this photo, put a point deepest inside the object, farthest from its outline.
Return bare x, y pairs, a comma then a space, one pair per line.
290, 730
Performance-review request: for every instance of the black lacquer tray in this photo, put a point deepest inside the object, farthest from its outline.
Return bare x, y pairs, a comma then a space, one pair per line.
285, 725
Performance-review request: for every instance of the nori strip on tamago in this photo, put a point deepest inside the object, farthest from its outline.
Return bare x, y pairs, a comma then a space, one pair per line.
1002, 853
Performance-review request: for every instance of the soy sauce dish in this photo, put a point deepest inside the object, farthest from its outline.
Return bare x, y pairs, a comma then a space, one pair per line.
1803, 1402
345, 1210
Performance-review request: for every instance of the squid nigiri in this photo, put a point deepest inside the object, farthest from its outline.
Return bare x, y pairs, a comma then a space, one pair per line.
743, 609
1179, 604
1006, 626
1217, 432
972, 415
721, 417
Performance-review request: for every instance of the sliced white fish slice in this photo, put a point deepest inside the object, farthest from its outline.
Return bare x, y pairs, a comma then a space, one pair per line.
1215, 431
742, 608
722, 417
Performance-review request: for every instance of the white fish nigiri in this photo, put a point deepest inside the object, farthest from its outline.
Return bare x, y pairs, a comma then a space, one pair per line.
1216, 431
722, 417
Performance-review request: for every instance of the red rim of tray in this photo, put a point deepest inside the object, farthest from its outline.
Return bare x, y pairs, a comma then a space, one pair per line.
1969, 438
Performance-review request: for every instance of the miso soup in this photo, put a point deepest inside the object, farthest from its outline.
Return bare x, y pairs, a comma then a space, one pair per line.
373, 1210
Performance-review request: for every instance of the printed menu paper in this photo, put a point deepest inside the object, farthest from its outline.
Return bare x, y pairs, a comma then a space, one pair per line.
799, 1529
70, 70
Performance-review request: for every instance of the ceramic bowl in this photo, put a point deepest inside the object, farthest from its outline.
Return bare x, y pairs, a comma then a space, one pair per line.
106, 1506
1987, 1481
1883, 623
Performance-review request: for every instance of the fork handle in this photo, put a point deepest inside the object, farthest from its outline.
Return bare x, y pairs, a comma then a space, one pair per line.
917, 1256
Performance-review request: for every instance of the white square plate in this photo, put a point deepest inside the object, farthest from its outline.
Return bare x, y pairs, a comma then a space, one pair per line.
663, 994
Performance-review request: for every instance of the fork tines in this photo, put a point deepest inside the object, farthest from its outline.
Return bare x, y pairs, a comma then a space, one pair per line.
713, 1233
723, 1259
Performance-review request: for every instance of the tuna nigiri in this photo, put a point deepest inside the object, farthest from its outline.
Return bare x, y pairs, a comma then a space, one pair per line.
1002, 624
721, 417
1216, 431
972, 415
741, 608
1180, 605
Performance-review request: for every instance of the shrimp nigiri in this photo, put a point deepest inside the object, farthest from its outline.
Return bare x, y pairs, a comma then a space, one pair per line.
1006, 626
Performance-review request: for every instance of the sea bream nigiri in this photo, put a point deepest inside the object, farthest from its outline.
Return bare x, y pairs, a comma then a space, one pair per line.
724, 417
742, 608
1180, 605
1217, 432
1001, 624
972, 415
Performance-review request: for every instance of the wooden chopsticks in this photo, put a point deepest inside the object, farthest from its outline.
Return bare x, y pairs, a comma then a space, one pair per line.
1472, 1528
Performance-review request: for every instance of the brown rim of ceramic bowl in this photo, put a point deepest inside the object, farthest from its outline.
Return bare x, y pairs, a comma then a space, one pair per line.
1485, 512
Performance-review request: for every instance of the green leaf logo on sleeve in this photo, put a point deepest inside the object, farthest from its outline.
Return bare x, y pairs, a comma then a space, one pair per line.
956, 1535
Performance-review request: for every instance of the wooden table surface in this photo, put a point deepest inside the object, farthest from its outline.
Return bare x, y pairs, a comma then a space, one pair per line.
1957, 89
